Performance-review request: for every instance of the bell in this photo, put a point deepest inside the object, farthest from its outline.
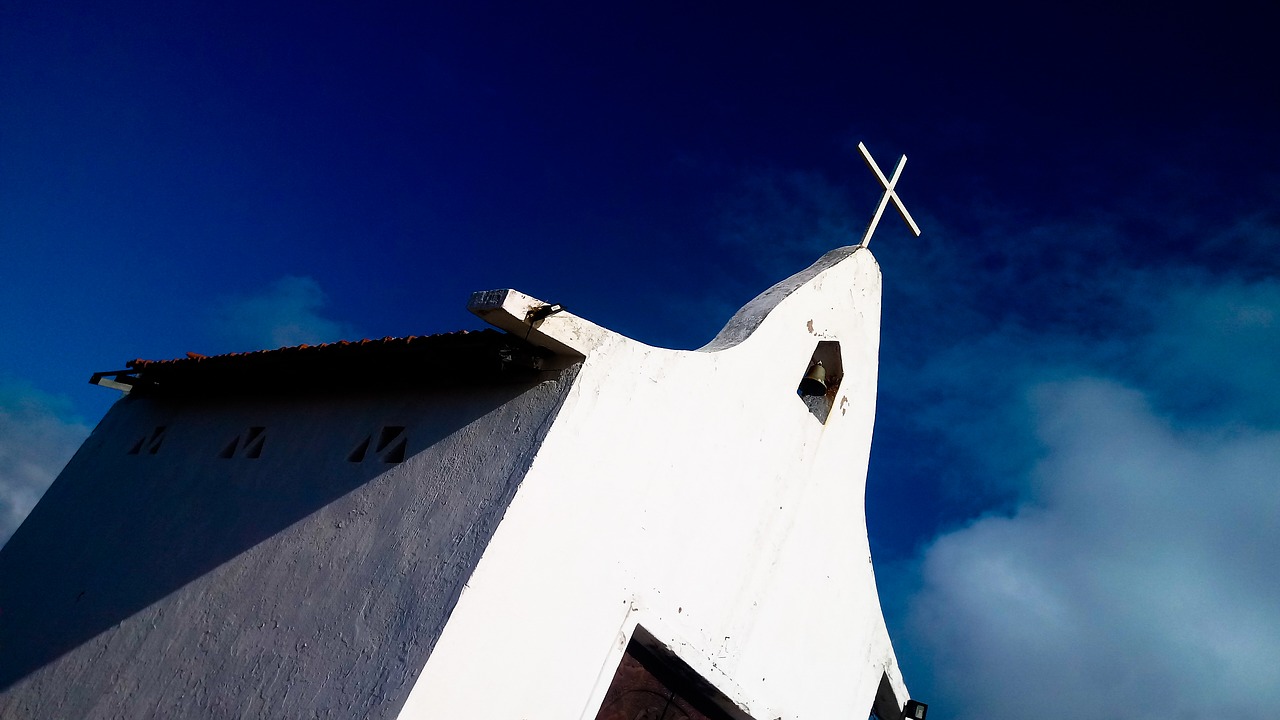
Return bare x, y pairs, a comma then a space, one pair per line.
815, 381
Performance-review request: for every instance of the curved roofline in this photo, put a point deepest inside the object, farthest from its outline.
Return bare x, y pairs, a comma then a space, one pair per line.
750, 316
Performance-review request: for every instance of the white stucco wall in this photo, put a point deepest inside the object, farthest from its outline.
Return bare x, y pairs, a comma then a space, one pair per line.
692, 493
298, 584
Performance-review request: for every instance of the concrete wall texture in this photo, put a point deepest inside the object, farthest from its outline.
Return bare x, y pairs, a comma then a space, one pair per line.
690, 498
295, 584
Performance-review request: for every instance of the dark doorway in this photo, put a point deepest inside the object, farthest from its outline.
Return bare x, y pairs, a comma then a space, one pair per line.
654, 685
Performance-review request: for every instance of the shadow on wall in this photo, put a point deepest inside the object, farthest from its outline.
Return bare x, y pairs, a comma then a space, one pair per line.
123, 529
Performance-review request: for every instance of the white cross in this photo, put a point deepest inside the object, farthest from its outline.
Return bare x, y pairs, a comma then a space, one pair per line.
889, 194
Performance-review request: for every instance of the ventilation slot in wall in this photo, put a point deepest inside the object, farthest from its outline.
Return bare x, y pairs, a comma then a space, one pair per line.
150, 444
390, 448
249, 445
357, 455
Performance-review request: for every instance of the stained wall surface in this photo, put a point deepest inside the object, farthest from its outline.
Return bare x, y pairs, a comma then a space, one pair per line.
298, 583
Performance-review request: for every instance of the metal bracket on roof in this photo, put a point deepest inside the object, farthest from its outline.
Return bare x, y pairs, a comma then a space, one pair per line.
540, 313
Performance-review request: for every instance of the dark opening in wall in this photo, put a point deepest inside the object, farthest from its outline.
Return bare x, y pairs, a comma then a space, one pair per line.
396, 453
250, 448
886, 705
254, 443
820, 382
391, 444
653, 683
391, 447
357, 455
150, 443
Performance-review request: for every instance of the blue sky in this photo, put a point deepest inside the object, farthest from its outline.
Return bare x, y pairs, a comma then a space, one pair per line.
1073, 486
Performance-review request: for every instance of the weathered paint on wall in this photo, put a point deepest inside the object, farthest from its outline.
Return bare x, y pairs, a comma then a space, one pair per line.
695, 495
296, 584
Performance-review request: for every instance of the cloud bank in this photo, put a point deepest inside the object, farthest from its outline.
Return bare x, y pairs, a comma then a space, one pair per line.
1136, 577
1135, 574
287, 312
36, 441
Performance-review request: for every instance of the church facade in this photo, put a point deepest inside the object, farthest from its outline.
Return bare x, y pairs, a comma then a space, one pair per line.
546, 520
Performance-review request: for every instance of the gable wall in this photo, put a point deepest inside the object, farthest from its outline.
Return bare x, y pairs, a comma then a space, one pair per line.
696, 495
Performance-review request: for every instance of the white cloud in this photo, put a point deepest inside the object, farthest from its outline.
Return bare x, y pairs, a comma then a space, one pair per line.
36, 441
1136, 574
1137, 578
285, 313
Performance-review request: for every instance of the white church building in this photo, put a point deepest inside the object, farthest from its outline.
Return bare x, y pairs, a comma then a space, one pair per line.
542, 521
